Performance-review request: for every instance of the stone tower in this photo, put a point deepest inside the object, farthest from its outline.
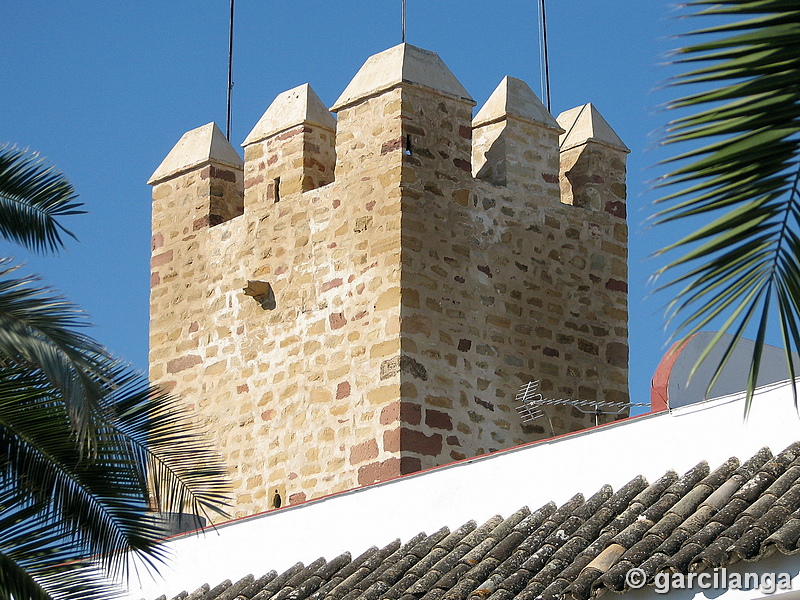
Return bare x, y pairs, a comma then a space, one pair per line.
363, 296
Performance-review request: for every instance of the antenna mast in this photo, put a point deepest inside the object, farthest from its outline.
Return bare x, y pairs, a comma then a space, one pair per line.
230, 75
403, 24
543, 57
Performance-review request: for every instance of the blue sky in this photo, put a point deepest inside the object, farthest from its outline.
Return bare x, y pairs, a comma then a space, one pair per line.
105, 89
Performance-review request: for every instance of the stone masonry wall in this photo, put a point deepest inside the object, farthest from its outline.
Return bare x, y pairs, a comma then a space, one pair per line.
501, 287
411, 299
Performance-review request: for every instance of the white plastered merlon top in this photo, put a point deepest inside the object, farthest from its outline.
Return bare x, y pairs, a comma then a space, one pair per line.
586, 124
291, 108
402, 63
197, 147
514, 98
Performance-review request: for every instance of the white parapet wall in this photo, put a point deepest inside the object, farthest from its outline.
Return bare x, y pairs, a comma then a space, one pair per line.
480, 488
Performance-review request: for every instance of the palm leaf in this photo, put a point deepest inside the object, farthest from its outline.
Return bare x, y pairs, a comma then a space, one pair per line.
182, 469
103, 503
743, 172
32, 195
88, 449
61, 393
38, 328
36, 562
99, 502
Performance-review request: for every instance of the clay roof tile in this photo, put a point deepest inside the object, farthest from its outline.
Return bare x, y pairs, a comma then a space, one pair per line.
701, 520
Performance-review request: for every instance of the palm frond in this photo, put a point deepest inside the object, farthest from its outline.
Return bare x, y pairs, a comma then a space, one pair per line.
88, 449
33, 194
149, 457
744, 174
39, 328
36, 562
99, 501
183, 471
62, 394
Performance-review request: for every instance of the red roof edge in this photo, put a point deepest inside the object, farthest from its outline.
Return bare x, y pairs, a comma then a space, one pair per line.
659, 386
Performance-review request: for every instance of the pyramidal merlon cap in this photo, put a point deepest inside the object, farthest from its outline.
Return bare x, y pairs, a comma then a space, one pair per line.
402, 63
585, 124
514, 98
290, 108
197, 147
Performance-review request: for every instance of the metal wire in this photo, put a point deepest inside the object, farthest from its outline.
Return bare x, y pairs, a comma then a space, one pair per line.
545, 60
565, 137
403, 24
230, 75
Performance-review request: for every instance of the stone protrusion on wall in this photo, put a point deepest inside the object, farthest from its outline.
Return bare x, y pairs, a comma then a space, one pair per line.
204, 173
291, 148
515, 140
592, 170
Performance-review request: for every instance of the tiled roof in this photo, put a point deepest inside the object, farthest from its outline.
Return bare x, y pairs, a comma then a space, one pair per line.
695, 522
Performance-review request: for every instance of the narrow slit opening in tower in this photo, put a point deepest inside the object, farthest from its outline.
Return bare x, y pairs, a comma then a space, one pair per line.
276, 189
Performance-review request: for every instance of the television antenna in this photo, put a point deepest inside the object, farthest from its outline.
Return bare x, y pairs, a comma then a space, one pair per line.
532, 405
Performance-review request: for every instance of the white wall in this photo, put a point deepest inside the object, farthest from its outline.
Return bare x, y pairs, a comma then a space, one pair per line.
477, 489
683, 391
